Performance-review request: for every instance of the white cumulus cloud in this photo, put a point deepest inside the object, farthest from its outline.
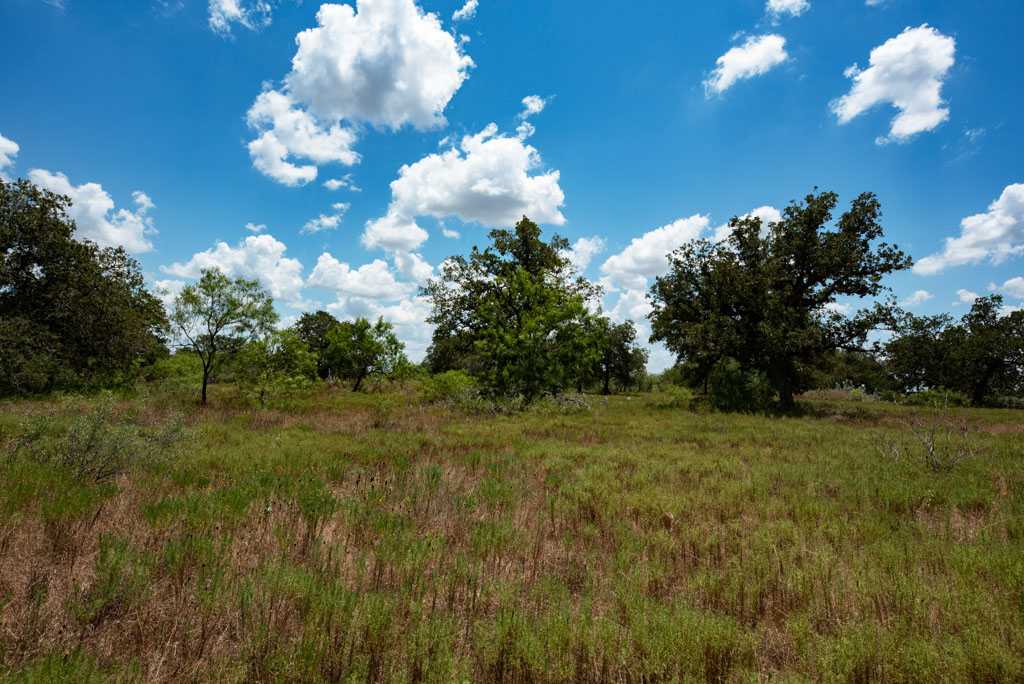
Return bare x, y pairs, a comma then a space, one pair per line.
996, 235
906, 71
345, 181
757, 55
290, 132
583, 250
92, 209
486, 179
8, 151
259, 257
326, 221
255, 228
386, 63
532, 104
374, 280
965, 297
917, 298
647, 255
467, 11
795, 8
413, 267
767, 214
1013, 287
451, 234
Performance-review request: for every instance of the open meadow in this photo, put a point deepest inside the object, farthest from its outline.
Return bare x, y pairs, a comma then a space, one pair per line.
339, 536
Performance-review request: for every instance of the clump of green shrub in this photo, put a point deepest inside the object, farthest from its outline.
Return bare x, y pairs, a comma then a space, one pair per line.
937, 398
100, 445
452, 387
675, 397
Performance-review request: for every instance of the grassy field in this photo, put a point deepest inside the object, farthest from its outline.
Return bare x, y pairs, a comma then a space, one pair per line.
342, 537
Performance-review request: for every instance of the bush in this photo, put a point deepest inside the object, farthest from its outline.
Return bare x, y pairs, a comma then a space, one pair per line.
452, 387
675, 397
100, 445
937, 398
733, 389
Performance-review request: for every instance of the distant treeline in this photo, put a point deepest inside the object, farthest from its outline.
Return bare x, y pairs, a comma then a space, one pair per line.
752, 317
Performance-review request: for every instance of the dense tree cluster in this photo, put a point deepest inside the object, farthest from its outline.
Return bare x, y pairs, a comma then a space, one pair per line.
72, 315
980, 357
749, 317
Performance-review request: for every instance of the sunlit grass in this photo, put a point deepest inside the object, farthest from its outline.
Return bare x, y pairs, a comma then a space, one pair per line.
332, 537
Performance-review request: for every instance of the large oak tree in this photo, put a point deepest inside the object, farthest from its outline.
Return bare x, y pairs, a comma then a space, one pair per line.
766, 296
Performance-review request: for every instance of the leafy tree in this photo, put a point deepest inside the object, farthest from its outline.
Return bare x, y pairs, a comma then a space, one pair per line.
762, 297
279, 360
217, 316
986, 351
358, 349
312, 329
514, 315
981, 356
846, 369
621, 360
916, 355
71, 314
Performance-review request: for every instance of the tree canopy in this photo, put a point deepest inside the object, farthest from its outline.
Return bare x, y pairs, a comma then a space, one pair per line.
216, 316
312, 329
514, 315
766, 296
622, 360
981, 356
71, 314
358, 349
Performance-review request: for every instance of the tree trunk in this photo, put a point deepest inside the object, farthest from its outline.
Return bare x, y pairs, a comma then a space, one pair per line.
784, 386
355, 388
607, 379
206, 377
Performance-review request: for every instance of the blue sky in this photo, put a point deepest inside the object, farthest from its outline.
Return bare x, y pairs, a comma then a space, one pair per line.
627, 128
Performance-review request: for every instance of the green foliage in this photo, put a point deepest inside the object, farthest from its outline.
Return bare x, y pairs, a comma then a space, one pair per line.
937, 398
312, 329
674, 397
514, 315
981, 357
621, 360
101, 445
359, 349
279, 361
177, 374
72, 315
733, 388
451, 387
542, 343
217, 316
762, 296
121, 582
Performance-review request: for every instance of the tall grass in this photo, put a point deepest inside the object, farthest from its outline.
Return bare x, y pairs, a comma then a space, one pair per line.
333, 537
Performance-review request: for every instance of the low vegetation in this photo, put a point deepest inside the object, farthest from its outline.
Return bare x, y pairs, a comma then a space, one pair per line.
338, 536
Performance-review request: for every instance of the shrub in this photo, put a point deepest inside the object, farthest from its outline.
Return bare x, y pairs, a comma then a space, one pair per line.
451, 387
100, 445
675, 397
733, 389
937, 398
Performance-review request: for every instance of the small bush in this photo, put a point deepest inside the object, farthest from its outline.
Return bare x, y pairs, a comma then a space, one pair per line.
451, 387
675, 397
100, 445
937, 398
